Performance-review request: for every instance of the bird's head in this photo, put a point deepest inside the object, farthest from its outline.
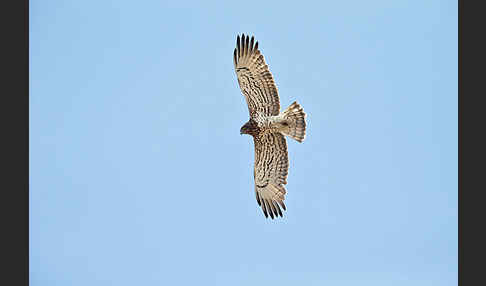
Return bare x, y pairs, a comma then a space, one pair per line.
248, 128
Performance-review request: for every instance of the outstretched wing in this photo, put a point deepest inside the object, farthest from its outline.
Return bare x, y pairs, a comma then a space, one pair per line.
271, 170
255, 80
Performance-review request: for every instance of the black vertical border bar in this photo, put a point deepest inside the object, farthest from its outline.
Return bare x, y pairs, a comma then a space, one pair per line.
14, 138
471, 159
24, 134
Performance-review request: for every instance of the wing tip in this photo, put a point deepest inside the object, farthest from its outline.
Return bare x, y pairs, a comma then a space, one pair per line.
245, 45
272, 208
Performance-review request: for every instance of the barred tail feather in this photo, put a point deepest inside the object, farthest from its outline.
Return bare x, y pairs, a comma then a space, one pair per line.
294, 122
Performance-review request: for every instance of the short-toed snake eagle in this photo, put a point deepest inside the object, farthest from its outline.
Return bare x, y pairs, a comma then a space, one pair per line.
267, 125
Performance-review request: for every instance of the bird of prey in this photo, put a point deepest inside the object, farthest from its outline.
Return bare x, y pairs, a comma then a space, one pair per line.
267, 125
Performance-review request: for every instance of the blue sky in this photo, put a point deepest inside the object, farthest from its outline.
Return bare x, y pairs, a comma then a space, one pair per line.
139, 176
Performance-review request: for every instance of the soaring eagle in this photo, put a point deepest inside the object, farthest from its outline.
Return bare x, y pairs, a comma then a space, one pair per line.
267, 125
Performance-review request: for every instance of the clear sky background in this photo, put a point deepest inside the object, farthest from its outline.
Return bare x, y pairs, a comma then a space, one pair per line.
139, 176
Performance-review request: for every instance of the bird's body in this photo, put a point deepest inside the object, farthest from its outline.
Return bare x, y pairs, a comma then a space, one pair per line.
267, 125
262, 123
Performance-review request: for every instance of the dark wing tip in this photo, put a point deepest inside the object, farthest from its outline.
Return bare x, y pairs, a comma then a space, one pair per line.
244, 45
238, 45
269, 208
279, 211
264, 209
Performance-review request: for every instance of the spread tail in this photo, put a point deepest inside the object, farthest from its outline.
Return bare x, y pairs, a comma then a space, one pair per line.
294, 122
